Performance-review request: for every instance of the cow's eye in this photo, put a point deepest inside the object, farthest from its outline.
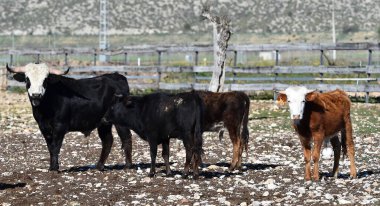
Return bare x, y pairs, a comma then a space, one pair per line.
27, 81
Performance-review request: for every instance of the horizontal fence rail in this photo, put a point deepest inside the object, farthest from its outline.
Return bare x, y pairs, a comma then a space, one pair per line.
238, 78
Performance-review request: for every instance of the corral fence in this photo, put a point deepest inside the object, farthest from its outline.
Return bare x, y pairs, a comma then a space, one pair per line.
250, 68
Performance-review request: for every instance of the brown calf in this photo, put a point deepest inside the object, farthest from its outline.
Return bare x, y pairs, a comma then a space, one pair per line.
317, 116
232, 109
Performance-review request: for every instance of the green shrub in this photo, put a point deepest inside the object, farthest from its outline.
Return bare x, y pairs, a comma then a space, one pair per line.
350, 29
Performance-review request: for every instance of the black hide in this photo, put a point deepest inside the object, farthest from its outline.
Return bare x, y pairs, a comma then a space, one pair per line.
79, 105
158, 117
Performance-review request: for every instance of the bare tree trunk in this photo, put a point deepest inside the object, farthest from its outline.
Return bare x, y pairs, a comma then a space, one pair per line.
3, 78
222, 33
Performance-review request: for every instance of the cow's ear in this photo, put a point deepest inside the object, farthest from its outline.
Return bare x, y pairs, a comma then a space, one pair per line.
281, 99
20, 77
311, 96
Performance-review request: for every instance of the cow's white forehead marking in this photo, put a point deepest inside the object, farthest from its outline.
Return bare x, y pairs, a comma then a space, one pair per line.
296, 98
37, 74
296, 93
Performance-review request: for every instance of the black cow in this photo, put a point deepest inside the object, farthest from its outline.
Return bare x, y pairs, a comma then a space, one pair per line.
158, 117
61, 104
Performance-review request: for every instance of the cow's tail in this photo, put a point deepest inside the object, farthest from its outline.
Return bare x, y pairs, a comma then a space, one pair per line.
198, 130
244, 132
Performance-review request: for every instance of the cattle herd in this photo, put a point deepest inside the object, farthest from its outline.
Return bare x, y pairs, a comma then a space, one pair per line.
61, 104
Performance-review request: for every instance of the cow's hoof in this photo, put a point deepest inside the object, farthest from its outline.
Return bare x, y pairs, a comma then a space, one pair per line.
169, 173
185, 176
152, 174
128, 166
53, 168
100, 167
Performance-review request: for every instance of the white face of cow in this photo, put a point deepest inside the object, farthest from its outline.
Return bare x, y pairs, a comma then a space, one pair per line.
296, 100
35, 75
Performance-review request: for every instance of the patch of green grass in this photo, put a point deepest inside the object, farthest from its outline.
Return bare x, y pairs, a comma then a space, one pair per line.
17, 90
366, 118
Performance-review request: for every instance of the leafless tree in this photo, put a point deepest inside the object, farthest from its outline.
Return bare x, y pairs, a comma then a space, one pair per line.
222, 34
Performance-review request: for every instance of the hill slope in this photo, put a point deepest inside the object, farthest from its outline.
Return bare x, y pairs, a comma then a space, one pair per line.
181, 16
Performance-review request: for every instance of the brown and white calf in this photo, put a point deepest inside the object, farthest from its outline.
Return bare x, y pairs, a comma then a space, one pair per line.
317, 117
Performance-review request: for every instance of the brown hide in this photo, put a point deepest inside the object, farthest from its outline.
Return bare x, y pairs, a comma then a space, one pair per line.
232, 109
325, 115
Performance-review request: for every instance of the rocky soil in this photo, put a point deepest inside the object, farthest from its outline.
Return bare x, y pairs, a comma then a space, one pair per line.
272, 172
36, 17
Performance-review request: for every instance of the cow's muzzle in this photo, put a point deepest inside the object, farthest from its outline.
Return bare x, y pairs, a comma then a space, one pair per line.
35, 99
296, 116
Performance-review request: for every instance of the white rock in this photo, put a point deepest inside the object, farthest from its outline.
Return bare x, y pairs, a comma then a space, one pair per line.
271, 186
266, 193
301, 190
343, 201
197, 196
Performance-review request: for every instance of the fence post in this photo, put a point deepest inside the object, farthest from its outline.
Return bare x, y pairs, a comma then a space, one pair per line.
235, 58
66, 60
38, 58
126, 58
196, 58
159, 58
277, 53
95, 58
10, 59
369, 57
321, 62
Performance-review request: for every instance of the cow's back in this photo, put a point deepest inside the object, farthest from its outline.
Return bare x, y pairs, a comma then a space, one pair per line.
328, 112
168, 114
79, 104
221, 107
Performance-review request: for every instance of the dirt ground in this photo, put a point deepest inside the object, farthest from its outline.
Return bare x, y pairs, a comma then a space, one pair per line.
272, 172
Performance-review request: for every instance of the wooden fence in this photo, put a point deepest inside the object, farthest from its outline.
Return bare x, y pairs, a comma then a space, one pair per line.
238, 78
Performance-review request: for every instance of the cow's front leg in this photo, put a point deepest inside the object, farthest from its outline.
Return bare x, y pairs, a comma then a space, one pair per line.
318, 141
106, 137
307, 156
54, 143
165, 155
126, 144
153, 154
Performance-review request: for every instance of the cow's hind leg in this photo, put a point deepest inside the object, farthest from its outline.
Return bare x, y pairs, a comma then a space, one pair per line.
106, 137
347, 135
54, 143
189, 155
337, 148
126, 144
153, 155
234, 136
165, 155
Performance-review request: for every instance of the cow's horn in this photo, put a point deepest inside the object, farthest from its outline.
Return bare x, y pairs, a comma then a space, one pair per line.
58, 72
15, 69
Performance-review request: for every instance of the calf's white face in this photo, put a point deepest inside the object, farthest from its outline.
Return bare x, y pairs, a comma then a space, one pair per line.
35, 75
295, 96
